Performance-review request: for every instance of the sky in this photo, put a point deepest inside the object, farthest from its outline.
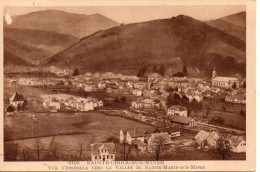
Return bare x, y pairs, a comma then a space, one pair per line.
133, 14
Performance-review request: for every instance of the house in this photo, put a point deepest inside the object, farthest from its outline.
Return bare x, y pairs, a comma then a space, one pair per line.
136, 104
172, 132
13, 83
139, 145
88, 106
177, 110
207, 139
103, 152
127, 136
238, 144
238, 99
17, 99
102, 85
10, 110
212, 139
182, 120
143, 103
200, 138
137, 93
54, 104
224, 82
96, 102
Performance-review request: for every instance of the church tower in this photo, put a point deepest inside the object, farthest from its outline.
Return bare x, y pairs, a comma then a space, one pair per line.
214, 73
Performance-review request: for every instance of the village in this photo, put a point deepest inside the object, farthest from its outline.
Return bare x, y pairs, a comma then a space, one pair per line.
172, 116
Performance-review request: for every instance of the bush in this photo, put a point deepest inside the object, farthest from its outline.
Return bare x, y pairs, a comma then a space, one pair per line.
217, 120
242, 113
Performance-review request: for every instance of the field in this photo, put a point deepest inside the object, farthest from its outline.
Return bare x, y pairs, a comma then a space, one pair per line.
229, 112
67, 131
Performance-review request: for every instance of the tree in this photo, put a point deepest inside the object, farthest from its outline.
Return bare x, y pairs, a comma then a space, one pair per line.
162, 70
159, 146
178, 74
185, 70
54, 149
116, 100
155, 70
142, 71
75, 72
19, 107
11, 151
223, 147
61, 83
234, 86
24, 104
224, 108
244, 85
69, 83
168, 88
208, 109
217, 120
80, 149
26, 154
242, 112
38, 147
123, 99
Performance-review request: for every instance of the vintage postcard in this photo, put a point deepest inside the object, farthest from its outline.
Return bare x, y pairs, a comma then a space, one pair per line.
127, 85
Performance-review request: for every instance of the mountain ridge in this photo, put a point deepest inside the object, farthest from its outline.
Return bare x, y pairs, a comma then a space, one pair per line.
132, 45
77, 25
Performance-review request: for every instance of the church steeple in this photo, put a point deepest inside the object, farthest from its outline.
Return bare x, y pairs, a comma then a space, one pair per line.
214, 73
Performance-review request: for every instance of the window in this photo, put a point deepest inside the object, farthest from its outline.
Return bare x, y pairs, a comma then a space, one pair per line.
244, 144
108, 156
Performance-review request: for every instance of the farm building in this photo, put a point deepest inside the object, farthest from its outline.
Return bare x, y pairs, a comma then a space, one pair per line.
182, 120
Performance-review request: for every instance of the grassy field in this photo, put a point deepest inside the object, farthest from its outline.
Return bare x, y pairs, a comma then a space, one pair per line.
71, 131
230, 113
231, 119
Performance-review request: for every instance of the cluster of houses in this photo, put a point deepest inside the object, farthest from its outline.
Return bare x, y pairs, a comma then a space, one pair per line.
143, 103
145, 141
209, 140
57, 102
38, 81
179, 114
59, 72
237, 97
17, 102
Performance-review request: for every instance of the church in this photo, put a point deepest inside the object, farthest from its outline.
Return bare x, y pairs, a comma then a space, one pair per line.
224, 82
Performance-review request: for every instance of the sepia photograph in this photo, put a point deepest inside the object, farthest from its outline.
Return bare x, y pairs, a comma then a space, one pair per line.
127, 83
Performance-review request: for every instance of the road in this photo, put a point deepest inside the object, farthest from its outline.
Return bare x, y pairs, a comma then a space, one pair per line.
221, 128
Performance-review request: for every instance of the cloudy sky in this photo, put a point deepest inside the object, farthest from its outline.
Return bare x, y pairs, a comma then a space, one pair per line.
132, 14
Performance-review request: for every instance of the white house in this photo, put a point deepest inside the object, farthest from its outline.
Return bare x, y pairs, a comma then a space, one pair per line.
238, 144
137, 93
102, 85
88, 106
103, 152
130, 135
177, 110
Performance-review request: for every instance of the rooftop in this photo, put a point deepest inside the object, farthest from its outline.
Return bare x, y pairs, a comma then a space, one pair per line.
180, 119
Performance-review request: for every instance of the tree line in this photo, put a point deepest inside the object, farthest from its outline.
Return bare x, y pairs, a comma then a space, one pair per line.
161, 71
